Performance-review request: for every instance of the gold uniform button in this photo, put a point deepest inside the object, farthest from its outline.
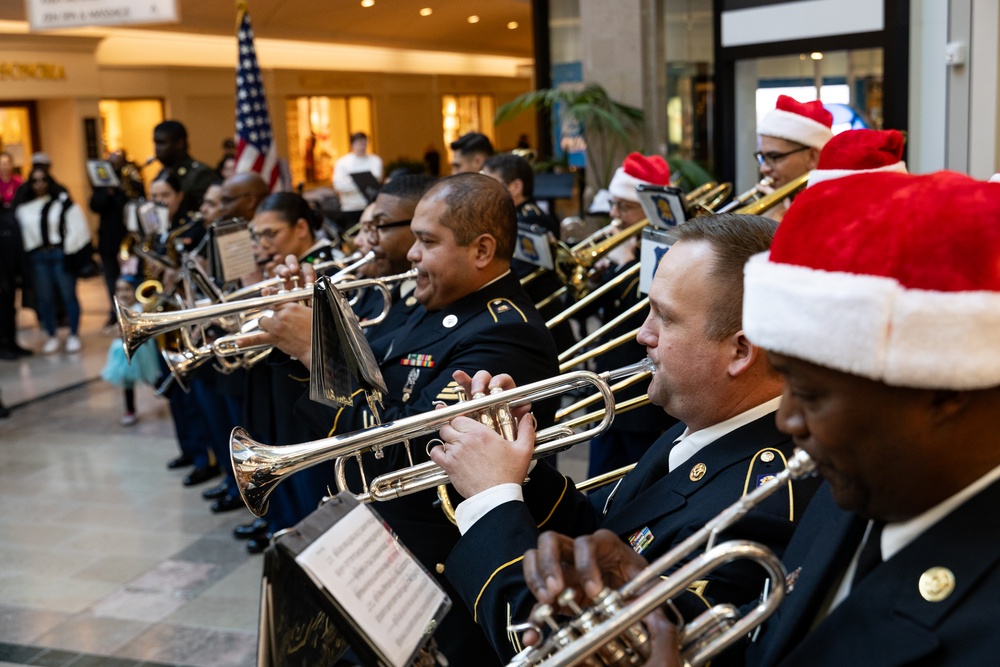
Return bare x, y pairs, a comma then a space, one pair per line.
767, 457
439, 568
411, 300
697, 472
936, 584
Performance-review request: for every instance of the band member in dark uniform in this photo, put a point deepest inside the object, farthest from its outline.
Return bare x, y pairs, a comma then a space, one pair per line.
472, 314
707, 374
892, 386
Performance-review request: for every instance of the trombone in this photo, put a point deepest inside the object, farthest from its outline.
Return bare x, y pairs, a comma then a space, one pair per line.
258, 468
611, 632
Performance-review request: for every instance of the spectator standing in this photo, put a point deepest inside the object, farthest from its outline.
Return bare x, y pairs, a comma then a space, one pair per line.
358, 160
10, 180
53, 227
11, 262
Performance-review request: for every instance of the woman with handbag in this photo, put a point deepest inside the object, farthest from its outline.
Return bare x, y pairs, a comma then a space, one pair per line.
53, 230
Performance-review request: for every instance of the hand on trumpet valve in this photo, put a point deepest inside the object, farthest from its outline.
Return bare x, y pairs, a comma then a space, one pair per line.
293, 274
484, 383
586, 566
478, 458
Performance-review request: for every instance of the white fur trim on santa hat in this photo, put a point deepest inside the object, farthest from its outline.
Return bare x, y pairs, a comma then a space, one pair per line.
820, 175
873, 327
794, 127
623, 186
995, 178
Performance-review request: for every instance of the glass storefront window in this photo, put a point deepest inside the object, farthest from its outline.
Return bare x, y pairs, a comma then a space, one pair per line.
690, 91
319, 131
127, 125
462, 114
849, 83
15, 135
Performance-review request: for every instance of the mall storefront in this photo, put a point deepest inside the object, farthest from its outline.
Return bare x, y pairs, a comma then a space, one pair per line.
79, 97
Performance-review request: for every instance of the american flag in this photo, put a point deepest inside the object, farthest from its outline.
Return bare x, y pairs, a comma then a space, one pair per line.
255, 149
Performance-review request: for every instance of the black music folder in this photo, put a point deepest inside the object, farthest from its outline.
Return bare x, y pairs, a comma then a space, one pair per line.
367, 184
340, 579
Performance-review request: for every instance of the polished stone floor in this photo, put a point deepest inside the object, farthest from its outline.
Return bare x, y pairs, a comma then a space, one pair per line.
105, 558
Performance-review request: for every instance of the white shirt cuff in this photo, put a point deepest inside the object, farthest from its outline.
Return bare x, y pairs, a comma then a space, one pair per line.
475, 508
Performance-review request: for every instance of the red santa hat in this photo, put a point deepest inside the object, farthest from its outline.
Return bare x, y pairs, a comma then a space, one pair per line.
859, 152
635, 170
888, 276
806, 123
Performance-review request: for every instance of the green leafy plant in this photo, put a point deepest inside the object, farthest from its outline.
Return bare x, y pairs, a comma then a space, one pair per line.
610, 129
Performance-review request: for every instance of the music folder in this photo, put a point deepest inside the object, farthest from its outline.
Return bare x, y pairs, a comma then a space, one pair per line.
367, 184
340, 579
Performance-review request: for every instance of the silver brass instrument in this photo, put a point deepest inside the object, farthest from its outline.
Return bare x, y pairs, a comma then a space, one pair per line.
258, 468
137, 328
611, 632
344, 268
250, 339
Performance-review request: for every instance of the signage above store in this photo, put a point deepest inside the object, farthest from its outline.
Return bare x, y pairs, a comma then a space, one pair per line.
54, 14
17, 71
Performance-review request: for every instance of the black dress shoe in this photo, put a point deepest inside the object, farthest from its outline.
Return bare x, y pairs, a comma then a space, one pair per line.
7, 354
259, 544
199, 475
20, 351
215, 492
256, 528
181, 461
227, 503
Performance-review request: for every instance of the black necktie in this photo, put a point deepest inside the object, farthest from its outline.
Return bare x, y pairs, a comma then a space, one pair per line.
871, 553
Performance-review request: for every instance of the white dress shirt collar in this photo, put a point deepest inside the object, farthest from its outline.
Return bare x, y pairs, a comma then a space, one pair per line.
690, 443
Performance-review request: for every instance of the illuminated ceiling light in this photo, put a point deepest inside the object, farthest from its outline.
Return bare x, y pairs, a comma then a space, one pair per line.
367, 3
512, 25
426, 11
802, 56
473, 19
816, 55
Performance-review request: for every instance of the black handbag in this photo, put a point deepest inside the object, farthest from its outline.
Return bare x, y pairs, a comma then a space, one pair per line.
83, 263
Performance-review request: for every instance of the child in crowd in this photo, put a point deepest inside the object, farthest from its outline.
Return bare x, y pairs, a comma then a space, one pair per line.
145, 365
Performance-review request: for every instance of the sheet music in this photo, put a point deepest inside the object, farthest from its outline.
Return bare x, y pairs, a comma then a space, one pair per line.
234, 253
382, 587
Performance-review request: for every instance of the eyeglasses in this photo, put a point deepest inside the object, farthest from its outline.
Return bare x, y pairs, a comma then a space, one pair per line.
772, 159
625, 206
265, 234
373, 229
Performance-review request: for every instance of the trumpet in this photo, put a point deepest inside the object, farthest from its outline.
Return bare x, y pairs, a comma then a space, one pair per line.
137, 328
611, 632
344, 268
252, 339
258, 468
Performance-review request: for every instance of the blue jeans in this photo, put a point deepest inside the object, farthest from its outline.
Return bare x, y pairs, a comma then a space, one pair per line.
50, 277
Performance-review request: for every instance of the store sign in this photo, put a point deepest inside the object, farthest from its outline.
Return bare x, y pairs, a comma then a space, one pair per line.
53, 14
16, 71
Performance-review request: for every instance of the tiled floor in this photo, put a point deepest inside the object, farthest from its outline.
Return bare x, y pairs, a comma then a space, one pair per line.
105, 558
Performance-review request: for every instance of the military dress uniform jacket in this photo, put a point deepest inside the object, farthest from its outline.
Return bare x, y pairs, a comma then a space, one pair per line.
496, 329
650, 509
195, 178
886, 620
